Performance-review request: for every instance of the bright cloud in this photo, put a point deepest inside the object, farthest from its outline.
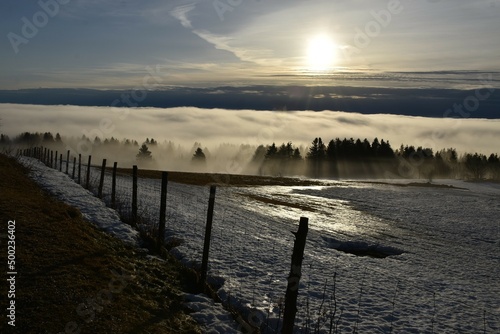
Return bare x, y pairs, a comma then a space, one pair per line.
212, 127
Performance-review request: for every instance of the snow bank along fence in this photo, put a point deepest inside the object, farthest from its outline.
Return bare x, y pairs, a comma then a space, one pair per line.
78, 169
249, 254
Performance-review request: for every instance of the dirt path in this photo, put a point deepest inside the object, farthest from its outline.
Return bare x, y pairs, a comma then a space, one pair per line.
72, 278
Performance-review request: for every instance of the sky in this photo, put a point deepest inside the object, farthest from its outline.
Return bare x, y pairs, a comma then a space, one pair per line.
214, 70
118, 44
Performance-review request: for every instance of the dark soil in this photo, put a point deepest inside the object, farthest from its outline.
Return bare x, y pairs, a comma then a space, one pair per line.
73, 278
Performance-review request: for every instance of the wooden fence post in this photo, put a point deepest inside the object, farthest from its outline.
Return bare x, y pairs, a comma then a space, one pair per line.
67, 162
79, 168
113, 186
60, 162
134, 195
163, 208
55, 165
74, 167
101, 180
292, 289
208, 234
87, 182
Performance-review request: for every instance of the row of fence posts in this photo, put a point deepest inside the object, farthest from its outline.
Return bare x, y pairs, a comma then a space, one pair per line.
46, 156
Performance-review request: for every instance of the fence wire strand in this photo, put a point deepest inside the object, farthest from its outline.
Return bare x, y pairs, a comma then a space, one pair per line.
238, 269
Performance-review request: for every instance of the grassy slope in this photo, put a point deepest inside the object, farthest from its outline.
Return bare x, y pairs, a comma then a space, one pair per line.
65, 266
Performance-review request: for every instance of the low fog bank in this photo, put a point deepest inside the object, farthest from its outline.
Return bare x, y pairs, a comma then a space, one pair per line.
229, 139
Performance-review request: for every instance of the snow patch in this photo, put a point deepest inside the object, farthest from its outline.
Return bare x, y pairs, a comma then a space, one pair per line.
62, 187
213, 317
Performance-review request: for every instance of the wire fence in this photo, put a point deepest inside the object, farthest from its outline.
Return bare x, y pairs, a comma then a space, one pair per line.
250, 262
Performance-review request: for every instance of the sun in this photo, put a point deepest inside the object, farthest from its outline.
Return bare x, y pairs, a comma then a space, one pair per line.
321, 53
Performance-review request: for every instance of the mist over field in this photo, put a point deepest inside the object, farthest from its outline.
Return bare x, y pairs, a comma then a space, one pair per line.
229, 138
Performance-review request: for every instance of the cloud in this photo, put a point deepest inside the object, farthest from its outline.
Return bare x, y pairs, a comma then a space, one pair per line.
253, 55
180, 13
212, 127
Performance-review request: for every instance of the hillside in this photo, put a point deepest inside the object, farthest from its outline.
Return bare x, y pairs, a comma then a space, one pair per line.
74, 278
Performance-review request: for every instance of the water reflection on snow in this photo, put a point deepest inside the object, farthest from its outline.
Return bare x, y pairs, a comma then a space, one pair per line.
449, 240
331, 215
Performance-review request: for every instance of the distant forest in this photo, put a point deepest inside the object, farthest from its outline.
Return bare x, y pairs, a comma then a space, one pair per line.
338, 158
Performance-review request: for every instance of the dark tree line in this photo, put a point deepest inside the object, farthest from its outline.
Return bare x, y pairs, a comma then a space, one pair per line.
362, 158
336, 158
30, 139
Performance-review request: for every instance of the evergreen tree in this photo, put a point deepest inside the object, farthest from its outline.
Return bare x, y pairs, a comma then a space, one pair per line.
385, 150
296, 154
4, 139
272, 151
494, 166
260, 154
476, 165
375, 147
199, 157
331, 151
317, 151
144, 153
285, 151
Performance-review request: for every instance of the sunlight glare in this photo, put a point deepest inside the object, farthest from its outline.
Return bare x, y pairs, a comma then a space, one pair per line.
321, 53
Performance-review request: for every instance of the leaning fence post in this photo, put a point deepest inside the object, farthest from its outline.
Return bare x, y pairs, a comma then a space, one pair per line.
55, 165
113, 186
51, 159
67, 162
79, 168
208, 233
87, 182
163, 208
134, 195
74, 167
292, 289
60, 162
101, 181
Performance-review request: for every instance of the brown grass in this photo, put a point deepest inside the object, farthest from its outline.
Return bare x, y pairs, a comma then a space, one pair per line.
275, 201
65, 271
222, 179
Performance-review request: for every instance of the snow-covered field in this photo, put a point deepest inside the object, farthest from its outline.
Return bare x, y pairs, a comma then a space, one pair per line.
446, 278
